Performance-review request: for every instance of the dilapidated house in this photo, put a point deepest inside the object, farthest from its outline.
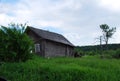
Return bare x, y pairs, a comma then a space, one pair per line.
49, 44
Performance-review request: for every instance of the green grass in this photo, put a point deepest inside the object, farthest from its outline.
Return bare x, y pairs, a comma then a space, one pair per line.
87, 68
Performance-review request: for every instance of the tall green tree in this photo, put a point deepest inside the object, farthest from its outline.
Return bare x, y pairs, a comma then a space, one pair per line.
107, 32
15, 45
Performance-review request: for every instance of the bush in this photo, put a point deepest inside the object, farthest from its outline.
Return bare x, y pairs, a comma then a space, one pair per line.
117, 54
108, 54
91, 53
15, 45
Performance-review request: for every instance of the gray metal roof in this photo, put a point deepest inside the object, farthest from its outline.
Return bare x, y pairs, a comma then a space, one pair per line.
50, 36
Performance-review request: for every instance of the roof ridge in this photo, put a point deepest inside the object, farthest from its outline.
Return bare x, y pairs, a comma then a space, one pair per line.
50, 35
45, 30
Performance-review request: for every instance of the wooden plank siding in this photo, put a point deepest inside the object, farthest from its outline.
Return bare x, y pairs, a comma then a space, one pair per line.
49, 48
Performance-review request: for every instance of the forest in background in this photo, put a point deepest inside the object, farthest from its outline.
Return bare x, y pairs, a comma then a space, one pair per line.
97, 47
113, 50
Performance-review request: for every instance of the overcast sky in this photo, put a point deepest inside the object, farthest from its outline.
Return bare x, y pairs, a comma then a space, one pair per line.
77, 20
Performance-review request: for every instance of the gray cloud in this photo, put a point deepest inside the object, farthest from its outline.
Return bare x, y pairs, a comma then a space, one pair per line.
78, 20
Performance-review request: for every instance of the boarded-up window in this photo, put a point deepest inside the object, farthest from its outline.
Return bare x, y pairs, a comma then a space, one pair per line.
37, 48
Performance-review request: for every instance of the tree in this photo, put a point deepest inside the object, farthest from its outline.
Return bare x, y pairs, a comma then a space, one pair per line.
107, 32
15, 45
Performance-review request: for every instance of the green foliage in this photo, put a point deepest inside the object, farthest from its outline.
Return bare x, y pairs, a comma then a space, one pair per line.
117, 54
79, 52
91, 53
97, 47
87, 68
15, 45
107, 32
113, 51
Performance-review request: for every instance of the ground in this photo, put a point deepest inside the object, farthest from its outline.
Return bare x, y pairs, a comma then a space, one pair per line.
87, 68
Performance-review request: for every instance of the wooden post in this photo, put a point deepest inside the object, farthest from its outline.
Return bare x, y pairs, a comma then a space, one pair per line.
101, 48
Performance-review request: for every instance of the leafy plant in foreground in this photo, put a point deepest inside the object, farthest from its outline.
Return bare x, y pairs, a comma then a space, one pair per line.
15, 45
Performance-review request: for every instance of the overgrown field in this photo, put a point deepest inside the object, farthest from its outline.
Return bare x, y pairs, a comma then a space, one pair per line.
87, 68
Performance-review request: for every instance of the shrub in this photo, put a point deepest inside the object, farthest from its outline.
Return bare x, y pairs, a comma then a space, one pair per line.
117, 54
15, 45
91, 53
108, 54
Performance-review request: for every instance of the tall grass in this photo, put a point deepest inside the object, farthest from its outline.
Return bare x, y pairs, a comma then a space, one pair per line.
87, 68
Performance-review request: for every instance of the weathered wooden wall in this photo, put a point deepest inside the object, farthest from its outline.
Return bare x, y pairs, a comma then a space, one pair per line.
53, 49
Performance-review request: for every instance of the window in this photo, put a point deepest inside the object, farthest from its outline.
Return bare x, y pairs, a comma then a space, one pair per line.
37, 48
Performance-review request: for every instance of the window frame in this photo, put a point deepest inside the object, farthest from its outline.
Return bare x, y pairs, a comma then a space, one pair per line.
37, 48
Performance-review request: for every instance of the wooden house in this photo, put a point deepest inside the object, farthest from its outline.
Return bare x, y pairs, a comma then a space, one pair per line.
49, 44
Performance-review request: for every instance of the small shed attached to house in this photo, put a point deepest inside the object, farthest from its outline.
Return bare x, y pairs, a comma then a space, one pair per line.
49, 44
